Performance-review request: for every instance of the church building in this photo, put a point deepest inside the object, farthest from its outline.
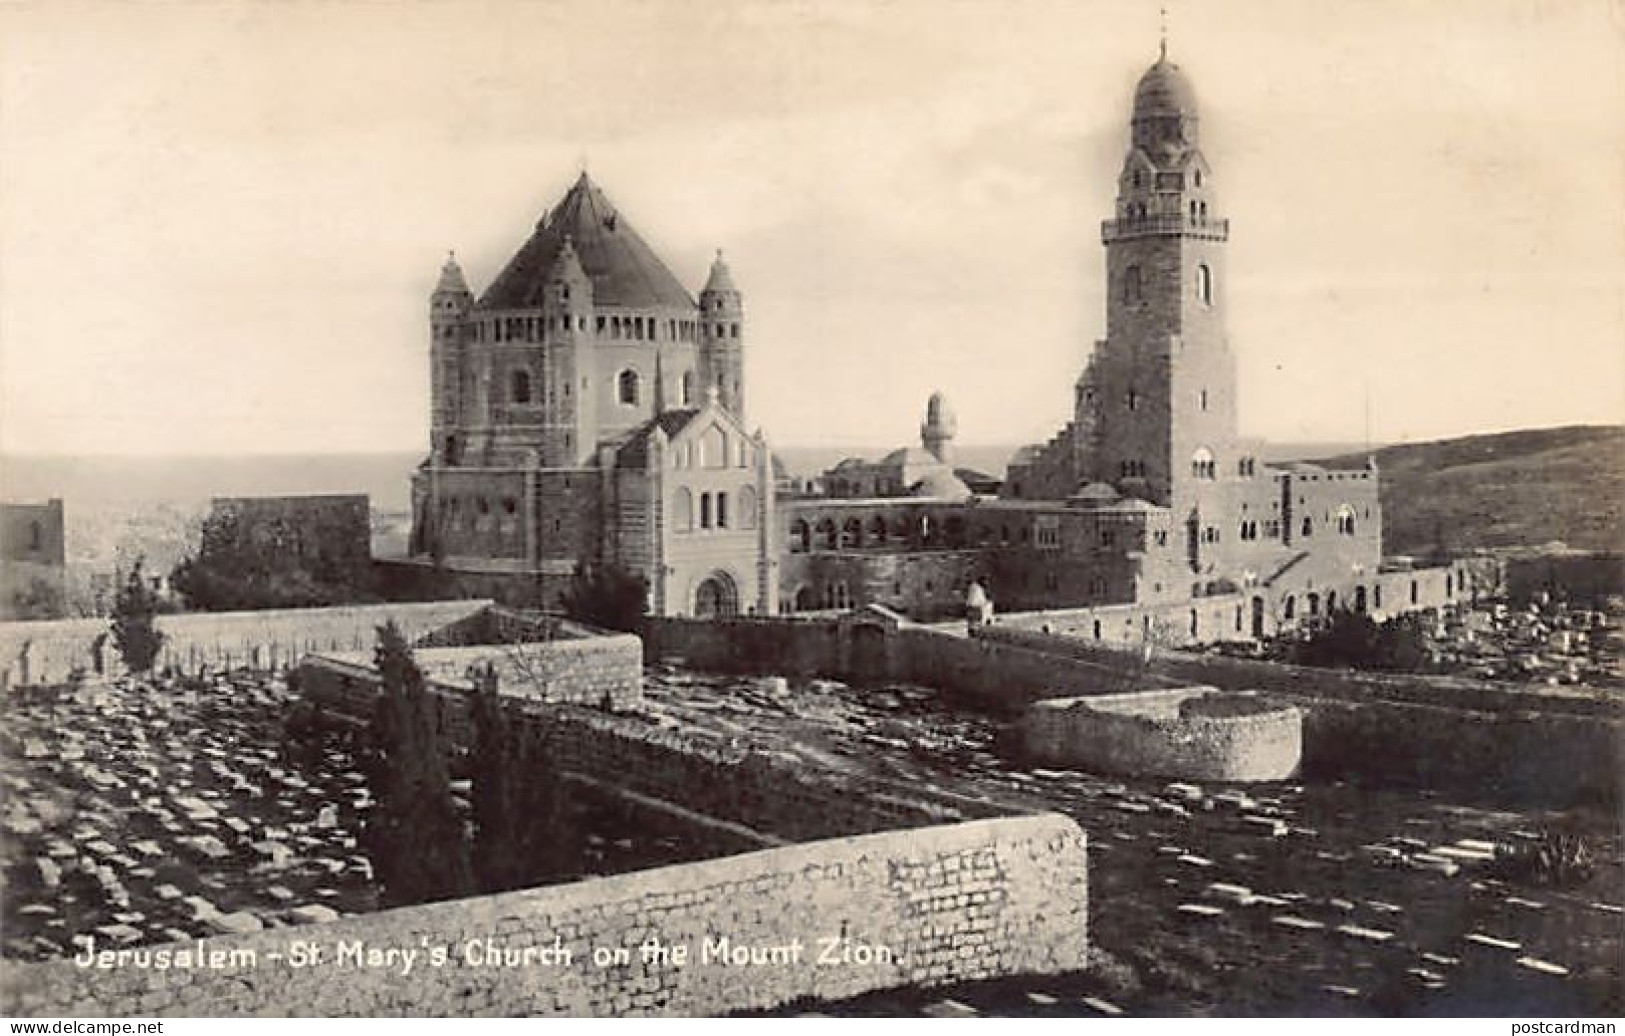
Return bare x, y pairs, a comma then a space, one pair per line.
586, 408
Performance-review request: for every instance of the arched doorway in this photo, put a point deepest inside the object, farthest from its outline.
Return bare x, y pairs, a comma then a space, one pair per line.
716, 597
1258, 618
1359, 599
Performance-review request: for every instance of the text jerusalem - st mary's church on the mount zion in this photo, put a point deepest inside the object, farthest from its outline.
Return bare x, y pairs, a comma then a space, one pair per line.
588, 408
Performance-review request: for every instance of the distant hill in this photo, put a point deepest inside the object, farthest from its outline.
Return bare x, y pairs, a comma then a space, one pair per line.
1523, 488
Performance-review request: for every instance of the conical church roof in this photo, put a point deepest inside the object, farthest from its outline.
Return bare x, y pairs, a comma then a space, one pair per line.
624, 270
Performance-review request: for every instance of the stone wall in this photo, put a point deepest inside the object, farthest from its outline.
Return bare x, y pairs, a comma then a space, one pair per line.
604, 671
1182, 669
1189, 733
770, 796
956, 903
1588, 579
260, 639
1569, 741
1515, 757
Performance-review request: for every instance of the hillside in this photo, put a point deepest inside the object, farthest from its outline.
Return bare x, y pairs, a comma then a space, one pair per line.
1523, 488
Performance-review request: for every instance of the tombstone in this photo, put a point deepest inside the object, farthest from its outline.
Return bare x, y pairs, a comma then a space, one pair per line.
978, 605
239, 923
313, 913
50, 872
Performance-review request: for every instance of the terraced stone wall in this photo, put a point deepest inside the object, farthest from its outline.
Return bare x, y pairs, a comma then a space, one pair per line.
825, 920
46, 652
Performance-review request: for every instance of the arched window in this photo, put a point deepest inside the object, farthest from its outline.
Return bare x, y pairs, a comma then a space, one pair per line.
682, 510
877, 529
626, 387
826, 534
688, 388
747, 508
800, 537
1202, 463
1131, 284
1204, 284
714, 448
852, 533
520, 384
1345, 520
1289, 607
705, 510
722, 510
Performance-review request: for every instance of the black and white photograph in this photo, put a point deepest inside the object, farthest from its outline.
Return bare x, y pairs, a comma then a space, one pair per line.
813, 509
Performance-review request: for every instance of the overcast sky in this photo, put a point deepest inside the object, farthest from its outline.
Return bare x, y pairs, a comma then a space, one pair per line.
221, 221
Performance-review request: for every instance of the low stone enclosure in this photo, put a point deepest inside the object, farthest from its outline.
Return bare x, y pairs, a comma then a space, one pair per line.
826, 920
1194, 733
1493, 742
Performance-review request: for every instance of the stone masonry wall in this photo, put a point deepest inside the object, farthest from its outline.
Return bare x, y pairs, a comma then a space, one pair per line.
630, 752
955, 903
260, 639
604, 671
1110, 734
1470, 735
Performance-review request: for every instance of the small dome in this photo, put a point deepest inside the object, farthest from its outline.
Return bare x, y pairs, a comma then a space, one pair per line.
1096, 493
1164, 90
941, 485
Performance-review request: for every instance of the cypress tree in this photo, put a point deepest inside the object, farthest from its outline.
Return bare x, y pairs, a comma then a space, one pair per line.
134, 632
523, 833
414, 835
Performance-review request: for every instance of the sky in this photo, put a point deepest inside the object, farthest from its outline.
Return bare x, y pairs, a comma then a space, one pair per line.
221, 221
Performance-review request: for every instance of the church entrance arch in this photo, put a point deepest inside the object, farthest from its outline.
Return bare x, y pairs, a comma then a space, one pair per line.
716, 597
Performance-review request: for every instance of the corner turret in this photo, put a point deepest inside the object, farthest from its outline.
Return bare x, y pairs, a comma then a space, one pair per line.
449, 304
721, 351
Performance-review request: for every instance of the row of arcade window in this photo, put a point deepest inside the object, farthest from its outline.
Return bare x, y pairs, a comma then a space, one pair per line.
854, 533
712, 448
637, 329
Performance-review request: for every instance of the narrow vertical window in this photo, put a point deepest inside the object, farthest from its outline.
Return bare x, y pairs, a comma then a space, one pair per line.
1204, 284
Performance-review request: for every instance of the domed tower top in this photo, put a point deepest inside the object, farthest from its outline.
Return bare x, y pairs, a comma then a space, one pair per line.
1165, 117
452, 281
720, 292
451, 299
